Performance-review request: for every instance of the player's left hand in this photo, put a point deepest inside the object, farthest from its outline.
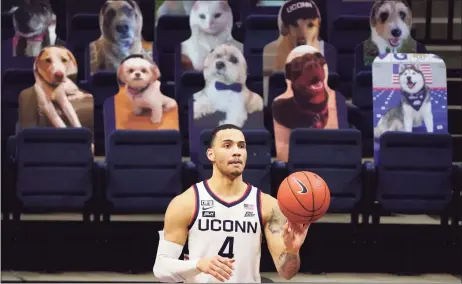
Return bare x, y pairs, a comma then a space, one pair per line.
294, 235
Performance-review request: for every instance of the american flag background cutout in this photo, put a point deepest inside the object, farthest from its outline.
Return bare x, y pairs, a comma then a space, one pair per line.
425, 68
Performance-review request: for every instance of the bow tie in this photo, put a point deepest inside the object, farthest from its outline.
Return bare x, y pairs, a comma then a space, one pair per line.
235, 87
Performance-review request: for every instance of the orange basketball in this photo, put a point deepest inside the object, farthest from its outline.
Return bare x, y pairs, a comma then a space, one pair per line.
303, 197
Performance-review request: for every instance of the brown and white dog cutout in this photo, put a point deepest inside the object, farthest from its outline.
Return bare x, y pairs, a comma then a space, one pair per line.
140, 77
299, 23
52, 67
121, 22
308, 102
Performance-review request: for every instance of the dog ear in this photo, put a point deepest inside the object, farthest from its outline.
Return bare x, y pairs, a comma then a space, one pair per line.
120, 74
284, 30
155, 72
37, 58
320, 58
402, 67
417, 66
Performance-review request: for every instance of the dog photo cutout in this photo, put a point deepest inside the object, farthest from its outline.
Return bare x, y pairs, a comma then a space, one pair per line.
391, 25
211, 24
34, 23
299, 23
409, 95
308, 101
139, 104
174, 7
225, 98
121, 23
55, 100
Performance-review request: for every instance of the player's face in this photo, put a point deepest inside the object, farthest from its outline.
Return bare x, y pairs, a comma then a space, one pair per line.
229, 152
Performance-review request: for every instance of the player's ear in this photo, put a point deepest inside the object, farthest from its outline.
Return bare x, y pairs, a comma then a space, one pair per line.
210, 155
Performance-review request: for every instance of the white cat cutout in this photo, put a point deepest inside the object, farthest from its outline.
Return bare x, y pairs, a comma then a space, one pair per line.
211, 24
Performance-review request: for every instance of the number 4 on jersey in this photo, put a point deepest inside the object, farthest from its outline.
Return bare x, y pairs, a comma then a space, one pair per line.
228, 246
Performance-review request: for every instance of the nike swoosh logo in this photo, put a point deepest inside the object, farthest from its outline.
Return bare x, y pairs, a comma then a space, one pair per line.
207, 208
304, 189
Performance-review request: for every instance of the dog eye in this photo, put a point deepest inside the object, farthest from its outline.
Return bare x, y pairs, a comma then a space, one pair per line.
218, 56
402, 15
384, 16
48, 60
217, 15
310, 25
130, 70
233, 60
202, 16
64, 60
143, 70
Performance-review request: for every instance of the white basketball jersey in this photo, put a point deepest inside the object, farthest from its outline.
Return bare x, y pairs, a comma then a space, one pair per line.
232, 230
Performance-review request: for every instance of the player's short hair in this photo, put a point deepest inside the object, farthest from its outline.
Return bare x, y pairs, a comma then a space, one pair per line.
220, 128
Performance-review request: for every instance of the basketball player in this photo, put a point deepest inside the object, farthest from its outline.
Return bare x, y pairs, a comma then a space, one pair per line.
223, 219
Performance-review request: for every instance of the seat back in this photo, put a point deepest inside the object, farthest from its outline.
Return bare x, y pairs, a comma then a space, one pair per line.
258, 166
103, 85
414, 172
260, 30
335, 155
84, 29
143, 170
171, 31
54, 169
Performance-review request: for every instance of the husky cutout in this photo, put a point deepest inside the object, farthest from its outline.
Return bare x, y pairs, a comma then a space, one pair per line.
415, 106
391, 24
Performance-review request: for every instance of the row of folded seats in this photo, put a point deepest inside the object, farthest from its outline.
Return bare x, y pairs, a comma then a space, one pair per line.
53, 170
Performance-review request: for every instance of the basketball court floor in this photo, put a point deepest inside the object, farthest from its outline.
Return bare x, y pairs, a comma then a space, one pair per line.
331, 278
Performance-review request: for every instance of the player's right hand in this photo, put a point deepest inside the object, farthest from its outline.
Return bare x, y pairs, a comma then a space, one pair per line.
219, 267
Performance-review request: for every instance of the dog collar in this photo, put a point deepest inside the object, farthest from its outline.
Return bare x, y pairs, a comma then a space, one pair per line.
38, 38
415, 100
136, 91
319, 116
235, 87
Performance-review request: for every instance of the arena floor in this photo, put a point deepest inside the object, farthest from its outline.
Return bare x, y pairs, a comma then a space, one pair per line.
331, 278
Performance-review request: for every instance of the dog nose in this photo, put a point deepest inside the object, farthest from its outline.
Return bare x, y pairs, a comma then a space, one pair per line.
220, 65
409, 78
396, 32
122, 29
59, 75
137, 74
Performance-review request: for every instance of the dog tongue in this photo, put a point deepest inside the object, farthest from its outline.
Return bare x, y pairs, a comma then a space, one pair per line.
410, 85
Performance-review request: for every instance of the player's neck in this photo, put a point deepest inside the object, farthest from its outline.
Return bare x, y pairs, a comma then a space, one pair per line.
224, 186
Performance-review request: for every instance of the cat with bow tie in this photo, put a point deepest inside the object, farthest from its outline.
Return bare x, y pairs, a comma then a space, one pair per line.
225, 74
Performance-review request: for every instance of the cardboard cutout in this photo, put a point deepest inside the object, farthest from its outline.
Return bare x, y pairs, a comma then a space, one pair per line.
139, 104
35, 27
120, 23
225, 98
211, 24
299, 23
55, 100
308, 101
410, 94
391, 24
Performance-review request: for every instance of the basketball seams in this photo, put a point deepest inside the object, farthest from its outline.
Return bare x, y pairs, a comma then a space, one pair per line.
312, 195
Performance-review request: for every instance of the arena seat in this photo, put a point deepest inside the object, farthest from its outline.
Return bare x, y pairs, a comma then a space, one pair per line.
103, 85
259, 31
258, 168
336, 156
414, 174
84, 29
347, 32
13, 82
190, 83
143, 171
55, 171
170, 32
